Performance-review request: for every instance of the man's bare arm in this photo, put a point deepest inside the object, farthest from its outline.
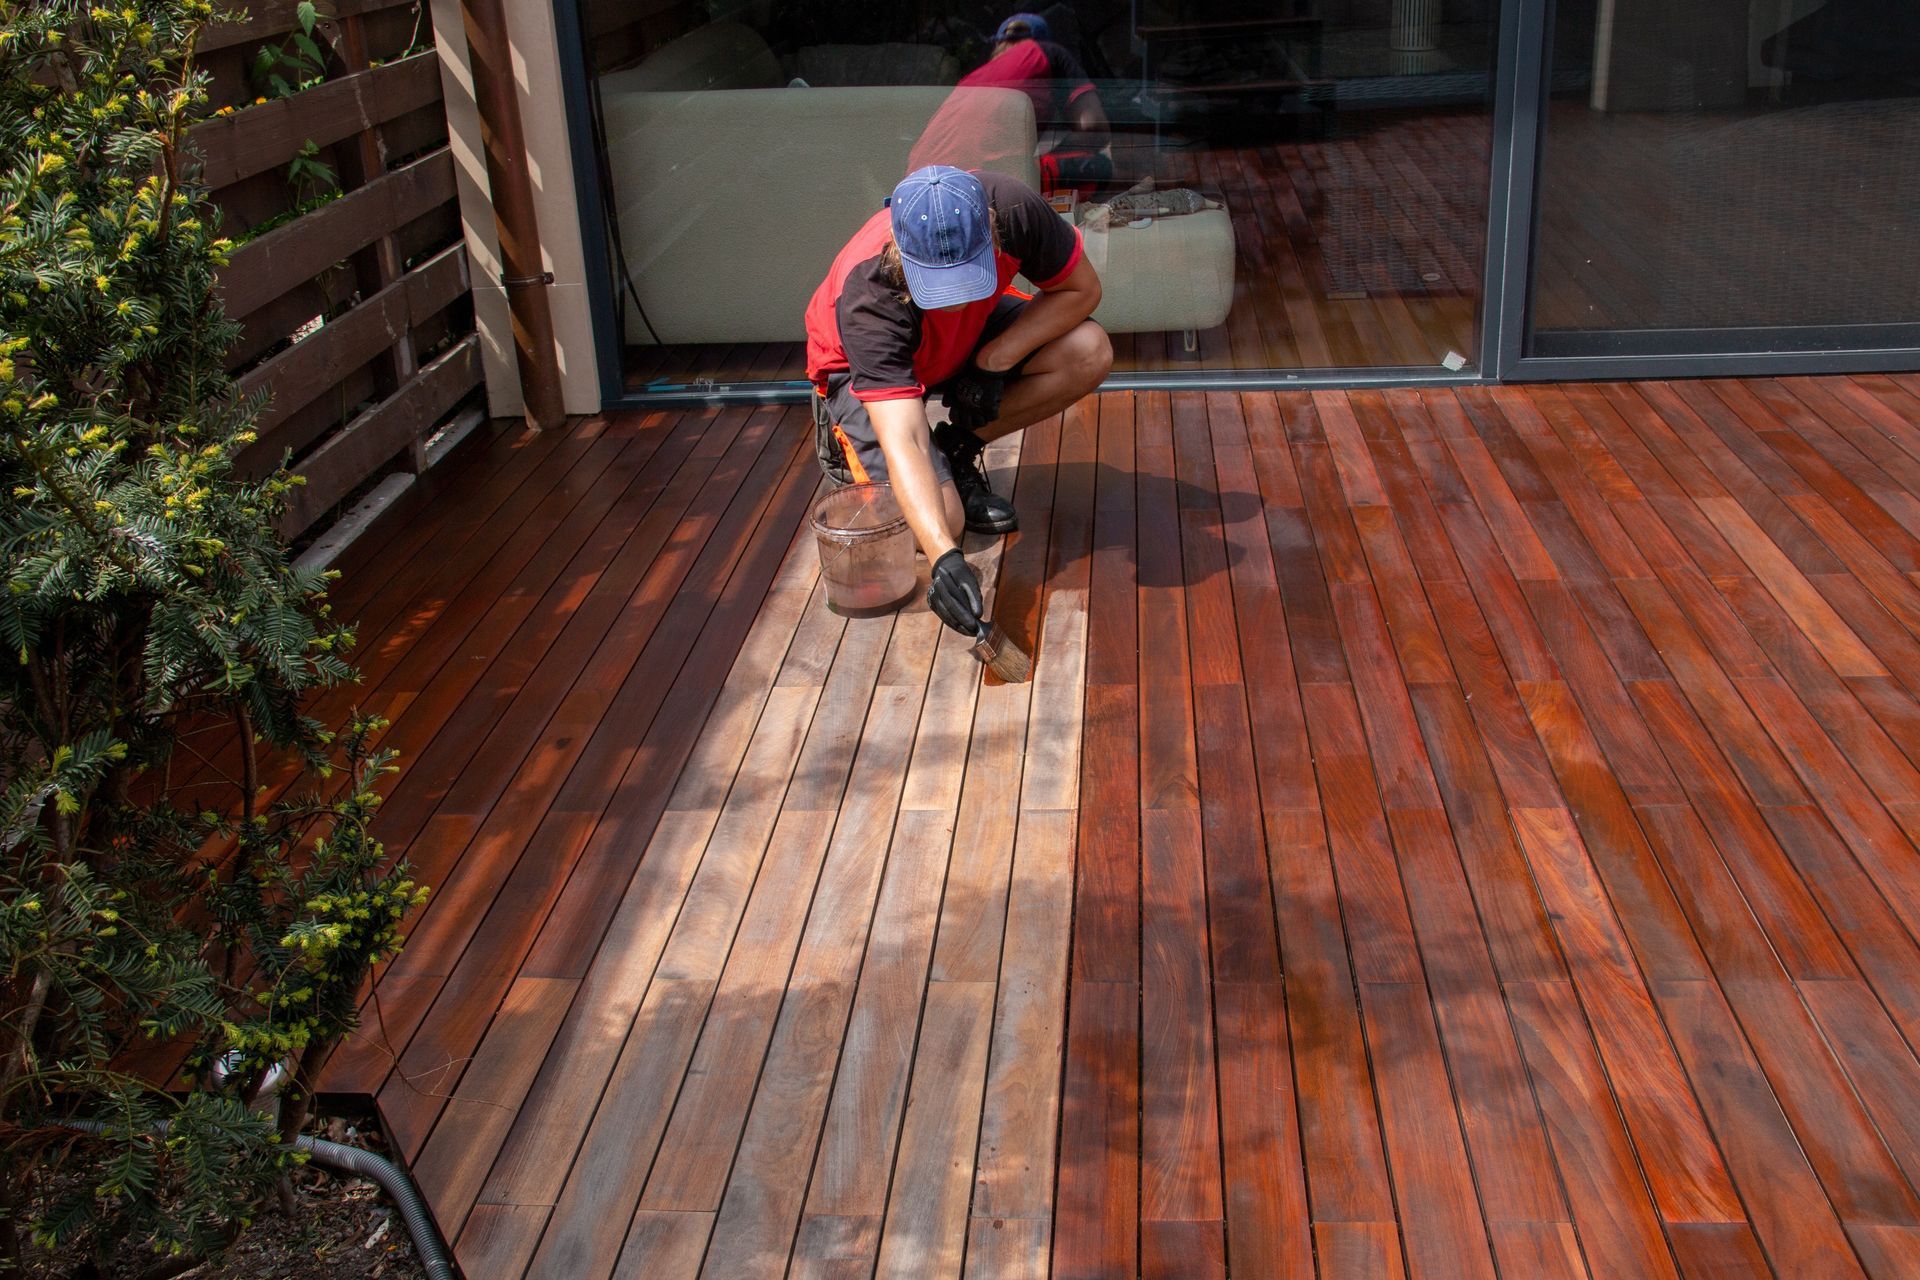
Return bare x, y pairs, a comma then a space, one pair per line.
1090, 127
906, 439
1053, 313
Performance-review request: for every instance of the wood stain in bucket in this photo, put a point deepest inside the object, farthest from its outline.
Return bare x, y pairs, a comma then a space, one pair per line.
866, 551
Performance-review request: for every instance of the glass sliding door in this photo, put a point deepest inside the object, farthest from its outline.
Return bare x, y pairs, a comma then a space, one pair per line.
1728, 176
1263, 184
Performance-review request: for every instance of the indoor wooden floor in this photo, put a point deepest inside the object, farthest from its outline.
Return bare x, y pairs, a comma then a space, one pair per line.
1450, 833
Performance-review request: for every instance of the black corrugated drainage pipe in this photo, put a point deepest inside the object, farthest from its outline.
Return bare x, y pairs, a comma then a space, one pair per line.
393, 1180
387, 1175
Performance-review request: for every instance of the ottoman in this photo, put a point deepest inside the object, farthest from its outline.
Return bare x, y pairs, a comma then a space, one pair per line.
1170, 274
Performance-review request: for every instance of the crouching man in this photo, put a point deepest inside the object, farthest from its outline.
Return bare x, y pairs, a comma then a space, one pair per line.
920, 302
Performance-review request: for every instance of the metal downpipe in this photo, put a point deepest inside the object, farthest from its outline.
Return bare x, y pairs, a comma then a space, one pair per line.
523, 272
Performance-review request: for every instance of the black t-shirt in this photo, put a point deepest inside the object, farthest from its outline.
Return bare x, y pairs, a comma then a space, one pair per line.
857, 320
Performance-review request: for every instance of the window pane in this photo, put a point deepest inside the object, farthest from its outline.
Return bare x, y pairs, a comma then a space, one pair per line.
1260, 183
1730, 164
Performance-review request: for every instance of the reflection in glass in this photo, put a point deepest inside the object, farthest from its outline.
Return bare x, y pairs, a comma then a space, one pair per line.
1732, 164
1276, 185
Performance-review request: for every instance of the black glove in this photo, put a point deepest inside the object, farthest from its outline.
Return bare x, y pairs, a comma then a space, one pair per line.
955, 594
972, 396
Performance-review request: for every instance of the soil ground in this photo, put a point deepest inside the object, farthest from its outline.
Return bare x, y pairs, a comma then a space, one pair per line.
344, 1229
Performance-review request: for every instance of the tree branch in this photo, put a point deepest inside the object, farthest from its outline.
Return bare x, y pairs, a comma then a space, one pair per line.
82, 515
249, 763
20, 1054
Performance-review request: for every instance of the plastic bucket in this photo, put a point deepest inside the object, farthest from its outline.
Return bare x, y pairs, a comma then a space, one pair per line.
866, 550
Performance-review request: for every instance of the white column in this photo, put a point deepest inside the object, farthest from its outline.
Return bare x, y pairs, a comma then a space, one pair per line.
1414, 25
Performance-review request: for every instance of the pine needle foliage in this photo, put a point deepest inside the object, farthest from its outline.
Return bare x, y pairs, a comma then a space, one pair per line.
145, 590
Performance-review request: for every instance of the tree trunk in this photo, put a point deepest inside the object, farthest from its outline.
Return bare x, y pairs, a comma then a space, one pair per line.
20, 1053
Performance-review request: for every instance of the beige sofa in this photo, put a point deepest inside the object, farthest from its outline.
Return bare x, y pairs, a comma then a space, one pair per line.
733, 199
733, 202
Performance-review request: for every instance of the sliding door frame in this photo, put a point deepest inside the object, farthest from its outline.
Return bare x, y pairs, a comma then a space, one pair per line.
1522, 94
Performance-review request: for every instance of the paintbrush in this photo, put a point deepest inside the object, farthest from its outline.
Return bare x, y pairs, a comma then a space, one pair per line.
1001, 655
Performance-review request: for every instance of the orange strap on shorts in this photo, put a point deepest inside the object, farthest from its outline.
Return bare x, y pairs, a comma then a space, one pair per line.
852, 455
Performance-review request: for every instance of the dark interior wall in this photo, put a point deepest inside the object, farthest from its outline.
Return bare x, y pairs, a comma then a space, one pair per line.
1379, 13
621, 32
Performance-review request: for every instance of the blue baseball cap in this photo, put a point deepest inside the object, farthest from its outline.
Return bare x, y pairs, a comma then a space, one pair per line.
943, 227
1021, 26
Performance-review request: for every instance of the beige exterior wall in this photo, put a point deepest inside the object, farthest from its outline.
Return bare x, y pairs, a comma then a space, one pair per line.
536, 73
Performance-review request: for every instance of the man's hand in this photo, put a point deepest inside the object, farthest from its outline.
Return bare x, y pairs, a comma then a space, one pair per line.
973, 397
955, 594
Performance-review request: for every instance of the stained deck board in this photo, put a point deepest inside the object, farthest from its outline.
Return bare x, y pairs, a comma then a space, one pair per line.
1449, 832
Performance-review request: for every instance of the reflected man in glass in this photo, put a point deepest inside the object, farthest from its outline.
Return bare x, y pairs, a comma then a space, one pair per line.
1074, 134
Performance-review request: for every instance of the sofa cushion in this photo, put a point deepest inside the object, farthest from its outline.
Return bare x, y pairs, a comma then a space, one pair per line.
732, 203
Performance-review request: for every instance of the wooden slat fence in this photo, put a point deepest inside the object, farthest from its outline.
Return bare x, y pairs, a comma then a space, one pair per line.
353, 295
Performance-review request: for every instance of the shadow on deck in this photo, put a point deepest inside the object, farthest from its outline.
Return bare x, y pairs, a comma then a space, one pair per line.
1448, 830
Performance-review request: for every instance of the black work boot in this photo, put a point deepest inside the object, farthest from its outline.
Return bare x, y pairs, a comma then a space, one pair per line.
987, 511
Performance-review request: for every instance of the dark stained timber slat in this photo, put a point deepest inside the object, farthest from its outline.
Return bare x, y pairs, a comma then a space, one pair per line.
266, 136
270, 324
297, 432
306, 371
265, 19
350, 457
287, 257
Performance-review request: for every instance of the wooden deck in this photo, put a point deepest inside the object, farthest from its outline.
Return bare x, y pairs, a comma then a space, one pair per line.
1450, 833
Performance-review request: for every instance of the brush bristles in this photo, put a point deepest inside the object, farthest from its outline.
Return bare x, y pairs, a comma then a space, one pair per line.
1010, 662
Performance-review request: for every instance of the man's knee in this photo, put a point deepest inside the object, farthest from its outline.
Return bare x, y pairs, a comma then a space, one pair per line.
1089, 353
